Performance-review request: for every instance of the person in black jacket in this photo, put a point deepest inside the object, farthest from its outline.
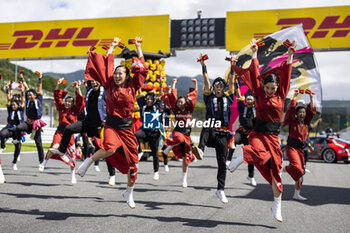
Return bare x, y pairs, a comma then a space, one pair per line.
218, 106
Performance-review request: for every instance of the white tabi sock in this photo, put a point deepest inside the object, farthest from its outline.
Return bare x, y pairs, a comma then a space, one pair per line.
184, 180
128, 196
2, 177
277, 209
235, 163
167, 150
44, 163
73, 179
84, 166
297, 196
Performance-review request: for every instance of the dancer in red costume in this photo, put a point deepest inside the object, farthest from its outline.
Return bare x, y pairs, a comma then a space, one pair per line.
270, 91
119, 145
298, 117
182, 108
67, 114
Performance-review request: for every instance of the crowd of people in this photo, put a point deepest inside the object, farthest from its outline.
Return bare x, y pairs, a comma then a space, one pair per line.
104, 120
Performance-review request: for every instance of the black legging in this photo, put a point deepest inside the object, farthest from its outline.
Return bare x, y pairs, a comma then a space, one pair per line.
88, 149
78, 127
37, 138
152, 137
306, 156
17, 151
6, 133
111, 169
219, 141
221, 150
241, 138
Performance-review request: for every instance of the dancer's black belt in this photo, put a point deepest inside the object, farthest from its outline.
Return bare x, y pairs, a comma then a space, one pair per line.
118, 123
267, 127
296, 143
183, 130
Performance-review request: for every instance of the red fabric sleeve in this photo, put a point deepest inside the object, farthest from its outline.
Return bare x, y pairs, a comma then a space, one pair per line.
100, 68
310, 113
170, 99
165, 99
285, 80
79, 102
250, 76
140, 75
58, 95
289, 118
192, 97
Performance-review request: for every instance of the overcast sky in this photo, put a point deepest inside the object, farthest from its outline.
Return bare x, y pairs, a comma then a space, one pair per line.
332, 65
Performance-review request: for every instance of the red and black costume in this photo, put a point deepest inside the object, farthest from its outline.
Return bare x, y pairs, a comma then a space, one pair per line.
298, 132
66, 117
264, 149
181, 133
118, 132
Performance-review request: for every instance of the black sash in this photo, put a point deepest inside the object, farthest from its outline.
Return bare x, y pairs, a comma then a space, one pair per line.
296, 143
118, 123
183, 130
267, 127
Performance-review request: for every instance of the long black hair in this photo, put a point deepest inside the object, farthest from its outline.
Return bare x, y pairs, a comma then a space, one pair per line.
127, 72
70, 97
271, 78
183, 97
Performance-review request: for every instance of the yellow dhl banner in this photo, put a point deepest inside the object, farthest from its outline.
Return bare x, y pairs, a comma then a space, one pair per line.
71, 38
327, 28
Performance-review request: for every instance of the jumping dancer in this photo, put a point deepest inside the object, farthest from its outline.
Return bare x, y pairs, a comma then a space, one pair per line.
68, 112
270, 90
149, 104
15, 118
247, 118
298, 118
119, 144
33, 109
182, 108
95, 114
218, 107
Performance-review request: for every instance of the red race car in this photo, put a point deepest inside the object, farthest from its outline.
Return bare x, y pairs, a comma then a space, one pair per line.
329, 148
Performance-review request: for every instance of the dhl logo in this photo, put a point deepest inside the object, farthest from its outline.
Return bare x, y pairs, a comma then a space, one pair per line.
330, 22
57, 37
